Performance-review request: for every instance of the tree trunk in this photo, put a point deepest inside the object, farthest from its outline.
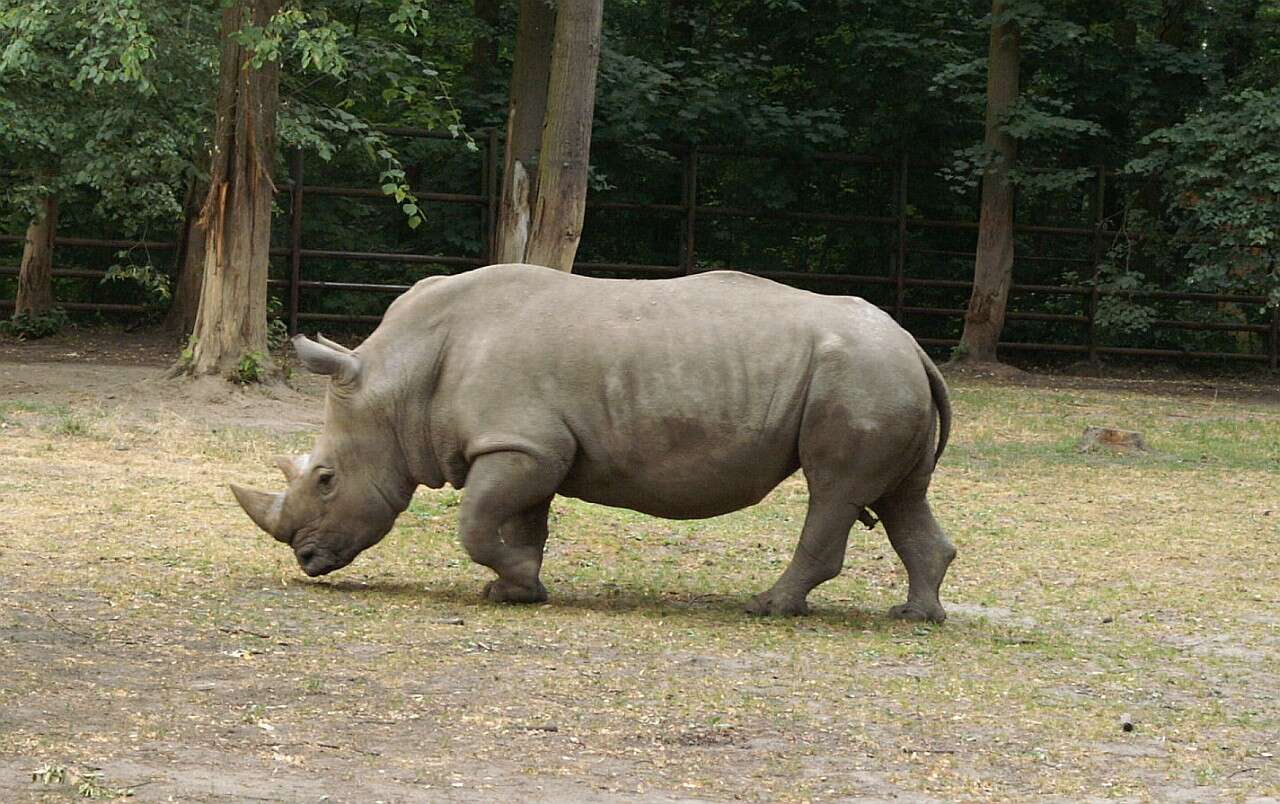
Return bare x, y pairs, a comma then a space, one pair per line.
35, 276
993, 267
1240, 43
484, 48
231, 323
679, 26
530, 74
189, 268
556, 226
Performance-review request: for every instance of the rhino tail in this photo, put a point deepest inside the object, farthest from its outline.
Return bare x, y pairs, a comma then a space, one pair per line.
941, 401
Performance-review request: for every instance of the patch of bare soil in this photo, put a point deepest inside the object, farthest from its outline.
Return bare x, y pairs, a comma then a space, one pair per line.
125, 375
96, 346
1164, 380
152, 643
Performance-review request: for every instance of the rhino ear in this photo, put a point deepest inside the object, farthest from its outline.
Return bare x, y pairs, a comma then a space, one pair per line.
337, 347
342, 365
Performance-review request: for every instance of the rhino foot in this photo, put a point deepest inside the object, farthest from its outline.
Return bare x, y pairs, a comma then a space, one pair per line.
501, 591
917, 612
768, 604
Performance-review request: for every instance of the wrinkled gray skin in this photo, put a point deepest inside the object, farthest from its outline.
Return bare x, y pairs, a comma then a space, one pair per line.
682, 398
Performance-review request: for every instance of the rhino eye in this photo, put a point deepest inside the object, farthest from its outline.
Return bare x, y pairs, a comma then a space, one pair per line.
324, 479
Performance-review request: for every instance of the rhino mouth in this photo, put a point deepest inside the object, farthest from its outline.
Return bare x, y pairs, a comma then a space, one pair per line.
316, 561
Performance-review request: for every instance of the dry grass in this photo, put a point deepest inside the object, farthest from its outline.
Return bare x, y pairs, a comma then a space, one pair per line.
149, 631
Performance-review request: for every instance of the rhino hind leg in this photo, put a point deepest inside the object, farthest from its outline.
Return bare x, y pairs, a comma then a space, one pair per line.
503, 523
818, 557
925, 551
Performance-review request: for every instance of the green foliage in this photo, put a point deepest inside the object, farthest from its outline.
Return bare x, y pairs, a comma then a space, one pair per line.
1220, 172
107, 106
350, 73
49, 774
33, 326
188, 354
277, 327
88, 784
108, 97
251, 368
153, 284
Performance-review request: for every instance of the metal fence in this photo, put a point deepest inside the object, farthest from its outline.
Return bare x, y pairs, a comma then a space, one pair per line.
897, 280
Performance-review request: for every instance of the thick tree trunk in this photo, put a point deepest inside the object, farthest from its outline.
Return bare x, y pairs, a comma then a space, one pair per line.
993, 267
556, 226
35, 275
189, 268
231, 323
525, 116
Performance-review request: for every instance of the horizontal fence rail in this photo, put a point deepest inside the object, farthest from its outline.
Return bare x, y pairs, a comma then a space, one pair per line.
901, 225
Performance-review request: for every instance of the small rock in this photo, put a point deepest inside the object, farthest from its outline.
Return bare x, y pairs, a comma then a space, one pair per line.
450, 621
1126, 722
1110, 438
548, 727
1108, 619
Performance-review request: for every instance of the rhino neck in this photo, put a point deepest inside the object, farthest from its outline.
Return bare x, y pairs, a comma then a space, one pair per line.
413, 440
404, 356
409, 403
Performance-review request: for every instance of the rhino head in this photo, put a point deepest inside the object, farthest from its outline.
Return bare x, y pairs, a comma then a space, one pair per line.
345, 495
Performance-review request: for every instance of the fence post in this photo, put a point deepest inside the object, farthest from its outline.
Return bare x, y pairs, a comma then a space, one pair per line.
690, 192
491, 192
295, 239
1275, 338
1095, 259
900, 275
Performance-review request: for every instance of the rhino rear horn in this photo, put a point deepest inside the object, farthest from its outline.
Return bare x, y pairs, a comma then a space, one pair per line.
327, 358
263, 508
292, 467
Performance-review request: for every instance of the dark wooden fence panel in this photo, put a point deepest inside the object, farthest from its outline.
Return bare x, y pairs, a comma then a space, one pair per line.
688, 214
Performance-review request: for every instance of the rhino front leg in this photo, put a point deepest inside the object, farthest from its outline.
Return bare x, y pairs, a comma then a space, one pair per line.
503, 523
925, 551
524, 538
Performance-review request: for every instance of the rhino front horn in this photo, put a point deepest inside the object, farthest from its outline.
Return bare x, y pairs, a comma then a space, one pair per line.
263, 508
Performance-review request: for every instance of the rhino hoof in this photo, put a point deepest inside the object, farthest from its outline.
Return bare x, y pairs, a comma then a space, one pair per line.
500, 591
766, 605
915, 612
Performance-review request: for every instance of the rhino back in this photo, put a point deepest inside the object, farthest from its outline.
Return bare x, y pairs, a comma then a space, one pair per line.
680, 398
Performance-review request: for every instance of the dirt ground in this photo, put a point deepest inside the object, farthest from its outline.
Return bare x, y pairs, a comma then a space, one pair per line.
1114, 631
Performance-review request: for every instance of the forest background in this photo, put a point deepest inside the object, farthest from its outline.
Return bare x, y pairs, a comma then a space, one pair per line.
107, 111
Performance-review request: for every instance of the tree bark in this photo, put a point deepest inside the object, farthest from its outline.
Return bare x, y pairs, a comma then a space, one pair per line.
189, 270
526, 113
993, 266
556, 226
1241, 43
679, 25
231, 322
484, 48
35, 275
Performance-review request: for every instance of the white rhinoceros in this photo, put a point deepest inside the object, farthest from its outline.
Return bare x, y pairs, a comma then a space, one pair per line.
681, 398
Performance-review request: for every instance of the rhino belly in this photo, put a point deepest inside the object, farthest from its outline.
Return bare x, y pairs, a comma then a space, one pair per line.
693, 483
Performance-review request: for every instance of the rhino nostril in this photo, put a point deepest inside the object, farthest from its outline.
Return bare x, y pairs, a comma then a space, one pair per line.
306, 554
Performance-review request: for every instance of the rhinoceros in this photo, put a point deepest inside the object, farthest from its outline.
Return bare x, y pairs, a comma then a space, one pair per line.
680, 398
